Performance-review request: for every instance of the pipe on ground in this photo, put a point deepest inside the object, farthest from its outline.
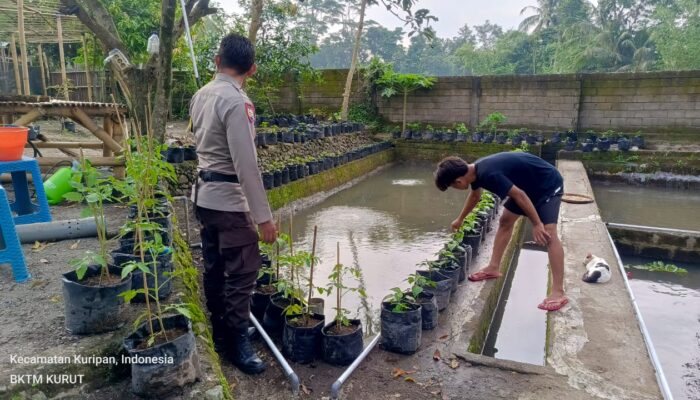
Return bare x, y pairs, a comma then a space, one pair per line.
291, 375
57, 230
338, 384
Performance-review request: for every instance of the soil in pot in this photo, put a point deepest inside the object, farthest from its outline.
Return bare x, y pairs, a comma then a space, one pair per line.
442, 289
341, 345
401, 331
261, 300
92, 306
177, 346
273, 319
301, 338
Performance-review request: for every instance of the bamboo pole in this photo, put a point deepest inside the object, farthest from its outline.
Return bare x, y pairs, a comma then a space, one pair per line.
107, 125
40, 55
87, 70
29, 117
15, 64
23, 45
48, 70
82, 118
64, 78
73, 145
311, 272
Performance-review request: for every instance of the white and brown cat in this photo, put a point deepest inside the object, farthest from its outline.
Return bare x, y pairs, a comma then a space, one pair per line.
597, 269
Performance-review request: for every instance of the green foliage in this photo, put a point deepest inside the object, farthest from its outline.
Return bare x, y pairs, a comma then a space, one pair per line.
660, 266
91, 187
336, 284
461, 128
492, 122
418, 284
399, 301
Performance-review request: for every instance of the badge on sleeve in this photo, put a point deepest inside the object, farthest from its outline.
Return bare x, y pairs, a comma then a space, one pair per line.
250, 112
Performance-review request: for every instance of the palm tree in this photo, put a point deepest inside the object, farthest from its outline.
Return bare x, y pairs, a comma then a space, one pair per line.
544, 16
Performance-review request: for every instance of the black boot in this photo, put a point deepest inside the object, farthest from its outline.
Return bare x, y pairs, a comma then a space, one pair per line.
242, 354
218, 333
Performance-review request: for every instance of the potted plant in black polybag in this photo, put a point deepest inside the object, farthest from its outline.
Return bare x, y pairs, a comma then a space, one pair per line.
426, 299
401, 323
461, 132
91, 291
342, 338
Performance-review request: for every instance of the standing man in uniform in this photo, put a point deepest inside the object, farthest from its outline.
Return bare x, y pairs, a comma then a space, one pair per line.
230, 199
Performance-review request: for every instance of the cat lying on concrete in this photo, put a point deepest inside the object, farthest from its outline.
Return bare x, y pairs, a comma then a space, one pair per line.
597, 269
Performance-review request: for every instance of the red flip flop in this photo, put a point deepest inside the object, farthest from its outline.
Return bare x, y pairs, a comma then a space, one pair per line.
553, 305
482, 276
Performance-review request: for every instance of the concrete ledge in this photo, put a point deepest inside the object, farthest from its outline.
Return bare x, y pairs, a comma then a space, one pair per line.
596, 340
435, 151
645, 241
326, 180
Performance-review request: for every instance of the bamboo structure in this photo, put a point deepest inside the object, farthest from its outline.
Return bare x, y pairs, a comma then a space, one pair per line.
23, 45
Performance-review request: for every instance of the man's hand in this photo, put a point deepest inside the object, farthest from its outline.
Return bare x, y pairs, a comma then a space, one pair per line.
540, 234
456, 224
268, 232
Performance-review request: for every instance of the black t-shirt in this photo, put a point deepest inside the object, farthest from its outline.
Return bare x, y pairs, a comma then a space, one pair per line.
497, 173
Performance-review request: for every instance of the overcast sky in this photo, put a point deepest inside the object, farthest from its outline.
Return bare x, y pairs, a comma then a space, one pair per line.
452, 14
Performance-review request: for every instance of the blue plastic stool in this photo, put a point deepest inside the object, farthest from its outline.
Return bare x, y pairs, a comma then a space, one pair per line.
27, 212
10, 248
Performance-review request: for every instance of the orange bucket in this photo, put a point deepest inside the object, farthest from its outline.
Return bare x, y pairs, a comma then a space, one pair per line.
12, 141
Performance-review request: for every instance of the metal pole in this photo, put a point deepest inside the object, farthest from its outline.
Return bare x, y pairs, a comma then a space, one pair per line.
338, 384
660, 377
291, 375
188, 37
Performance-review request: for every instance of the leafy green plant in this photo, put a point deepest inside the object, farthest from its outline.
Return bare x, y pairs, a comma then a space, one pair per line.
461, 128
337, 285
414, 127
94, 189
492, 122
393, 83
660, 266
399, 301
429, 128
146, 171
418, 284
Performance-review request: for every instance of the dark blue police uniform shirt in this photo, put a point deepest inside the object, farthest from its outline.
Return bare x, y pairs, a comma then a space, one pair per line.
498, 173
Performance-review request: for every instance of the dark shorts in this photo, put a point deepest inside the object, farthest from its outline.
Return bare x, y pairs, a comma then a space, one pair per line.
547, 208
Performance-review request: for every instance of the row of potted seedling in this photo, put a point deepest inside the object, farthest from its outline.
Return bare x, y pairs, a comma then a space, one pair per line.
140, 269
406, 313
284, 301
303, 133
603, 141
284, 121
276, 174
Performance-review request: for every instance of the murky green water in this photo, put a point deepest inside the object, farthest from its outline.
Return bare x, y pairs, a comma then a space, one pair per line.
386, 225
649, 206
670, 305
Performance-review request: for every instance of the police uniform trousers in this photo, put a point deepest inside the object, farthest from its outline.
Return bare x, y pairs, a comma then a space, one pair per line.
231, 263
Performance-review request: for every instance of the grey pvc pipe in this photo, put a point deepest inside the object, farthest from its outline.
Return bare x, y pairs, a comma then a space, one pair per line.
291, 375
658, 370
57, 230
338, 384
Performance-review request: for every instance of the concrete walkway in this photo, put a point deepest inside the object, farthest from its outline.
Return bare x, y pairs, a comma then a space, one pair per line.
596, 341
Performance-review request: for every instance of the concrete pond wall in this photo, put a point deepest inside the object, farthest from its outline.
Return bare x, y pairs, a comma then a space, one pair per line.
654, 102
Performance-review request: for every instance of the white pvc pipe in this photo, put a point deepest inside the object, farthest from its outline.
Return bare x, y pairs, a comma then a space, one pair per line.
658, 369
335, 388
188, 37
291, 375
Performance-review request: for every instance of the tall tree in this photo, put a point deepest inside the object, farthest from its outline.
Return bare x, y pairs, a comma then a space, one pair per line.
100, 19
402, 9
544, 16
487, 34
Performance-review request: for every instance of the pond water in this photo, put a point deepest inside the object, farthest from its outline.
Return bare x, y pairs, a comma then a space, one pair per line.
649, 206
519, 328
386, 224
670, 305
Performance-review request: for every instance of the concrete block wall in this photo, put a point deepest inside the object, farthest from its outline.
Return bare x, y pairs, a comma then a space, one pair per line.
655, 102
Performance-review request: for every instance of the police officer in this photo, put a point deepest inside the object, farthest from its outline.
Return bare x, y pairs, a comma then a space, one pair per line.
230, 199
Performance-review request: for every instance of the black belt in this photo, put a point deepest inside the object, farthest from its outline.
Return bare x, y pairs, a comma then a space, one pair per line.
211, 176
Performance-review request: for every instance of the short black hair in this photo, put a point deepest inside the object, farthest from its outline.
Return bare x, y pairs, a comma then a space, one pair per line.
448, 170
237, 53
